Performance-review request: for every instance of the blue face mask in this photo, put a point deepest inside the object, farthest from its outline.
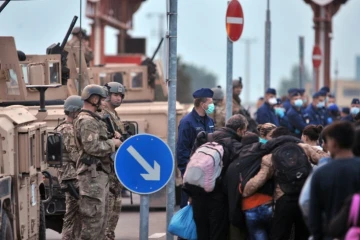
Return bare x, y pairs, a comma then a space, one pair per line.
298, 103
262, 140
280, 112
354, 110
210, 109
320, 105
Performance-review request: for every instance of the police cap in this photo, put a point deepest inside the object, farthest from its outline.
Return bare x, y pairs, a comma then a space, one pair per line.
203, 93
301, 91
322, 93
325, 89
93, 89
316, 95
292, 90
271, 91
355, 101
218, 93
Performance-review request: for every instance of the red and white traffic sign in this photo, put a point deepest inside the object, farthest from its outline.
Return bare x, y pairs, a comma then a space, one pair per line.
234, 20
316, 57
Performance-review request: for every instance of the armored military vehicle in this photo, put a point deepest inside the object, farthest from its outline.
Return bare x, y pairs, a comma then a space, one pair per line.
36, 77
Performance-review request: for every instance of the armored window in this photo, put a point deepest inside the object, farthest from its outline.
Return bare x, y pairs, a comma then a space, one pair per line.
24, 68
118, 77
54, 73
12, 83
102, 77
136, 79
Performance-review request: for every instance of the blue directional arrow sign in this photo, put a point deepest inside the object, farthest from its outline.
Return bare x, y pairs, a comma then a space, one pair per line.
144, 164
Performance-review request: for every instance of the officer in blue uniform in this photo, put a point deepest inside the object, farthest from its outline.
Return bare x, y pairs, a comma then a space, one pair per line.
286, 103
298, 119
303, 97
354, 110
266, 113
315, 110
190, 125
324, 111
280, 114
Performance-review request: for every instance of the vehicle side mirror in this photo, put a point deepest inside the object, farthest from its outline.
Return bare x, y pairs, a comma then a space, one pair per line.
132, 128
54, 150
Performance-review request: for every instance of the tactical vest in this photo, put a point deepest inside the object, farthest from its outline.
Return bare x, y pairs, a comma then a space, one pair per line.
65, 153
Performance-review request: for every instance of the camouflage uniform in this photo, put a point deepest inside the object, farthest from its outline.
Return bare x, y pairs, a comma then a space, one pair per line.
92, 137
88, 52
219, 115
67, 173
115, 185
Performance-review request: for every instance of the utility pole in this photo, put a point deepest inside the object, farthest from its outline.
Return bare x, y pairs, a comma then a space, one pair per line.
160, 31
267, 47
301, 62
248, 42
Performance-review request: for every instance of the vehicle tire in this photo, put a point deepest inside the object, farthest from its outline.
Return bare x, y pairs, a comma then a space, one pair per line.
6, 231
42, 226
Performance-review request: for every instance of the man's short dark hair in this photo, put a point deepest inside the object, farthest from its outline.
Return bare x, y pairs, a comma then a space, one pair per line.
197, 101
237, 121
342, 132
280, 131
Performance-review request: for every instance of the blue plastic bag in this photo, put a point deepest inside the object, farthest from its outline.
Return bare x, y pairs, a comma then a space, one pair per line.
182, 224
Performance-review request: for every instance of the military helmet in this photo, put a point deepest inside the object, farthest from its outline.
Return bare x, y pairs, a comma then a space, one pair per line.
218, 93
93, 89
73, 103
237, 83
115, 87
78, 30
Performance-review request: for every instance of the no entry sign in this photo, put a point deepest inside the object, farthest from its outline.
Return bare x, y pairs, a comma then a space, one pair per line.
316, 57
234, 20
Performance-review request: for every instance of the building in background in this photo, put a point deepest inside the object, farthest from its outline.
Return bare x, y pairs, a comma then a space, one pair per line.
344, 89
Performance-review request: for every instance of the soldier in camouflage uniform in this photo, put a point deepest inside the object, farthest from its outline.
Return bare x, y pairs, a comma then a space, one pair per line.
220, 109
67, 173
116, 94
94, 164
75, 41
237, 108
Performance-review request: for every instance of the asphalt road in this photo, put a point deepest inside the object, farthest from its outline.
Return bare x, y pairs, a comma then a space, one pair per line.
129, 222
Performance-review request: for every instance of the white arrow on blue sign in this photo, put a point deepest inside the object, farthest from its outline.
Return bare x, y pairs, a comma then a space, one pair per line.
144, 164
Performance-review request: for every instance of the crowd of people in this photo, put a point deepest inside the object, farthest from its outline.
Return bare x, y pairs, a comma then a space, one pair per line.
289, 174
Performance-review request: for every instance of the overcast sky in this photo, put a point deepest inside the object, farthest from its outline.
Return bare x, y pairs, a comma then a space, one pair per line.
201, 33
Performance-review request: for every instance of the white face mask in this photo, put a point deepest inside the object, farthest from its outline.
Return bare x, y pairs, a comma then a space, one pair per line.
272, 101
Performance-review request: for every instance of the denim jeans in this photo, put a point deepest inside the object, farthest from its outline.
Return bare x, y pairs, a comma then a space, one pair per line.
258, 221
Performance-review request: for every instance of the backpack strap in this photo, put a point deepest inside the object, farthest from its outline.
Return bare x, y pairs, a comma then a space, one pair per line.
354, 210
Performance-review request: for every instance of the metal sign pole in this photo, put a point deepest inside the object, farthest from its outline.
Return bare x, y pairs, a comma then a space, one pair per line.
267, 47
144, 217
229, 76
170, 189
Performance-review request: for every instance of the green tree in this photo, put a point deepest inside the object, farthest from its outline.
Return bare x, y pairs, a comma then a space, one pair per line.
294, 80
